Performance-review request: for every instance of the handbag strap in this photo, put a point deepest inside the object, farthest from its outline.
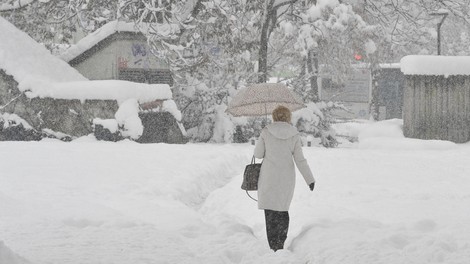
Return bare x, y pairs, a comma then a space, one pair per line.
253, 161
250, 196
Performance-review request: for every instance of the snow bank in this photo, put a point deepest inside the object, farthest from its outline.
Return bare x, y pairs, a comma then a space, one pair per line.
128, 116
435, 65
386, 135
27, 61
171, 107
99, 90
387, 128
9, 257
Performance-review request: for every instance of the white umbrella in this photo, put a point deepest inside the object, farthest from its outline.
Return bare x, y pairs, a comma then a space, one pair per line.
262, 98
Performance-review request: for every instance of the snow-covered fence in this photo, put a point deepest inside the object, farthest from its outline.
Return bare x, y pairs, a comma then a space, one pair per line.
437, 97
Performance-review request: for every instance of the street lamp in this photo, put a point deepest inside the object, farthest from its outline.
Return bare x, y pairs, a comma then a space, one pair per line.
443, 13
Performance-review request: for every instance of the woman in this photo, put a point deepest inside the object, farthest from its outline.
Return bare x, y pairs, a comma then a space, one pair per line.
279, 142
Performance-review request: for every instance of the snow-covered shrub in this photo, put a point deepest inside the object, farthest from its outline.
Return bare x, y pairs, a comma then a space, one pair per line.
316, 120
106, 129
223, 126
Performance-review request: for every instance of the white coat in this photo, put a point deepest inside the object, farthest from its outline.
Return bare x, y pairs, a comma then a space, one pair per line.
279, 146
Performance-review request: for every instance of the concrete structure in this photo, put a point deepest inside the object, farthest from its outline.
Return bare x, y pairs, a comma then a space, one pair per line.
117, 51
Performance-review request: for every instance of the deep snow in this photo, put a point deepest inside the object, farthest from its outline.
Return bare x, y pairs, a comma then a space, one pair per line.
384, 199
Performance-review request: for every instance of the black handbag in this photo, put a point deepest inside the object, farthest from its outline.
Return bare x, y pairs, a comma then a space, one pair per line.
251, 176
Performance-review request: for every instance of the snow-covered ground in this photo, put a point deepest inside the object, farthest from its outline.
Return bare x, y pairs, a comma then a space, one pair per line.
384, 199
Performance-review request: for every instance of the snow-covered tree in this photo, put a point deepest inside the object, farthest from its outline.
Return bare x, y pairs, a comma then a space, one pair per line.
54, 21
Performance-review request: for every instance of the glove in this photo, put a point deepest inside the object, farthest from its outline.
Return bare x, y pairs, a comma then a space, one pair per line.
312, 186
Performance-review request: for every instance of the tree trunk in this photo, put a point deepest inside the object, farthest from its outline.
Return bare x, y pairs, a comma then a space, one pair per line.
263, 49
312, 66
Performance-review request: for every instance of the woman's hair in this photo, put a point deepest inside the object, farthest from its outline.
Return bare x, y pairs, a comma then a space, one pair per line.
282, 114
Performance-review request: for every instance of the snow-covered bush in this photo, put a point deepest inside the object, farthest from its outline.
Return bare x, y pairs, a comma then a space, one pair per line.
315, 120
14, 128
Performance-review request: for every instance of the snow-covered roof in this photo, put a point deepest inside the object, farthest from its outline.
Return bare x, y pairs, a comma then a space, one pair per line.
26, 60
435, 65
98, 35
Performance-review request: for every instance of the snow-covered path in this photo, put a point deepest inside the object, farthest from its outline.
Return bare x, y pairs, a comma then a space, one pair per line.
383, 200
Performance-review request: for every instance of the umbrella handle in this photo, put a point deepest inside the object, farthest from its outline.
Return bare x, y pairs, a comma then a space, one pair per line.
266, 114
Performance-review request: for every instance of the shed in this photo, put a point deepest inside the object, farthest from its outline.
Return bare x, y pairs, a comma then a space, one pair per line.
117, 51
437, 97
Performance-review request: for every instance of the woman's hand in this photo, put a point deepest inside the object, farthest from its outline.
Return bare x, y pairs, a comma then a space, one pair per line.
312, 186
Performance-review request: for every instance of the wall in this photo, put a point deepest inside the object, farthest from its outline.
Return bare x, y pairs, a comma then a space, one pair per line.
75, 118
120, 51
436, 107
67, 116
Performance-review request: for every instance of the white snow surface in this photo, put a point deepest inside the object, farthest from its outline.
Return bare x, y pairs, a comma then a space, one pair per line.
27, 61
435, 65
7, 256
101, 90
385, 199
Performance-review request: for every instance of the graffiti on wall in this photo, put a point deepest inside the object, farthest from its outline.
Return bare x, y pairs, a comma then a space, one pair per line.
139, 49
137, 55
122, 63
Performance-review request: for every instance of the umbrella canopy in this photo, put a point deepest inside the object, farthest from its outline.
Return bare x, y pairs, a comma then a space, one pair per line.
262, 98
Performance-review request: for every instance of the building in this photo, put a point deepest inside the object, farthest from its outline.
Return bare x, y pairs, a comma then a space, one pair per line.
356, 92
117, 51
44, 93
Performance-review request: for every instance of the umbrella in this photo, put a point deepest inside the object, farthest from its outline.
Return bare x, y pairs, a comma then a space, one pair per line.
262, 98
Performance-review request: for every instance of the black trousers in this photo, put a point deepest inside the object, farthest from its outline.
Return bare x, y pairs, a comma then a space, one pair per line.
277, 225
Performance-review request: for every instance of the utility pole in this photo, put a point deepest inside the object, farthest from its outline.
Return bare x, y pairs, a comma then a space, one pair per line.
444, 13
